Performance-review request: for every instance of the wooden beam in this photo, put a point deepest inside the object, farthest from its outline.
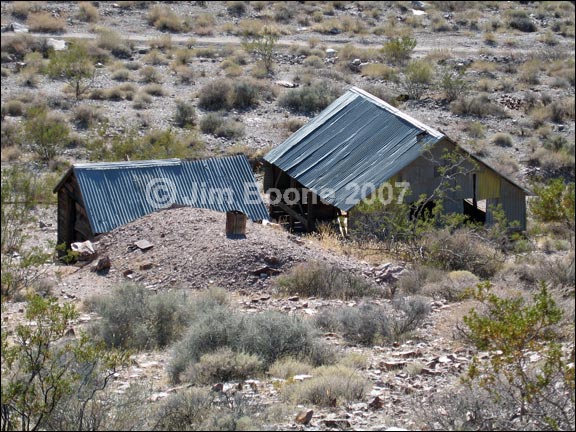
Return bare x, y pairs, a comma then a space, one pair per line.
294, 214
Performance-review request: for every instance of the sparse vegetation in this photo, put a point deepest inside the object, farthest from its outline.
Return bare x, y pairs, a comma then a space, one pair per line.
320, 280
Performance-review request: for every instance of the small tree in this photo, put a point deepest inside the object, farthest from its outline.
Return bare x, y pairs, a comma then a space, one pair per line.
75, 66
41, 367
262, 46
47, 133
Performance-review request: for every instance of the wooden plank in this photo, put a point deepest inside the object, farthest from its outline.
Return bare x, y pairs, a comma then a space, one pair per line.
294, 214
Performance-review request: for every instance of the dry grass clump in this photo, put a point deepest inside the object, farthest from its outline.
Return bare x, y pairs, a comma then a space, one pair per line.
330, 386
43, 22
165, 19
88, 12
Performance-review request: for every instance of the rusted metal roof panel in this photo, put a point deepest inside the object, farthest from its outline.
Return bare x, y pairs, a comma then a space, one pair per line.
116, 193
352, 147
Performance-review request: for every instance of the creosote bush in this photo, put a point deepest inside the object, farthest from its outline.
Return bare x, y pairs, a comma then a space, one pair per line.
223, 365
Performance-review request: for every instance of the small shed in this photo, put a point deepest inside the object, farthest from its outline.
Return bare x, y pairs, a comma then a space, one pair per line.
95, 198
356, 145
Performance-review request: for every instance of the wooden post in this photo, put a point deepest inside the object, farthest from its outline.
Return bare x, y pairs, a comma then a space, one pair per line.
235, 224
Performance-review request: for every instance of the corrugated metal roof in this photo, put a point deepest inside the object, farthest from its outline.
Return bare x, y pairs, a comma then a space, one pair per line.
116, 193
352, 147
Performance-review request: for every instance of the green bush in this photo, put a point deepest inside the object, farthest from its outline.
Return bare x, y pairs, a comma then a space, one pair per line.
321, 280
185, 115
310, 99
519, 20
222, 365
41, 368
554, 203
133, 317
75, 65
47, 133
453, 84
216, 95
417, 78
330, 386
399, 50
520, 330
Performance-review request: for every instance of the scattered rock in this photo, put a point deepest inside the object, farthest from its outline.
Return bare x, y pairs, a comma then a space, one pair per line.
337, 423
304, 417
103, 264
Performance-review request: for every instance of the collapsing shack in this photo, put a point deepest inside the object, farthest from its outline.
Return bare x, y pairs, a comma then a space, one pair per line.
359, 143
95, 198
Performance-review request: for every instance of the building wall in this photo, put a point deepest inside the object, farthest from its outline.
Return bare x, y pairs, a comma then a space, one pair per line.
73, 222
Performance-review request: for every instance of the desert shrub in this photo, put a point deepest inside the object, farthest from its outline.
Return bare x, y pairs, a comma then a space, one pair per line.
414, 280
149, 74
13, 108
399, 50
153, 90
220, 126
46, 132
562, 110
268, 335
185, 115
113, 42
314, 62
223, 365
309, 99
88, 12
87, 116
519, 20
554, 203
417, 78
379, 71
75, 66
44, 22
216, 95
479, 106
184, 410
121, 75
453, 287
185, 74
287, 367
460, 250
42, 369
330, 386
11, 133
21, 9
322, 280
246, 94
476, 129
134, 317
293, 124
142, 101
164, 19
369, 324
236, 8
502, 140
453, 84
519, 329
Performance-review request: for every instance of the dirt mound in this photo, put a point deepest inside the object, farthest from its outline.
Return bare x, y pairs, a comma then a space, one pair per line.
191, 250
